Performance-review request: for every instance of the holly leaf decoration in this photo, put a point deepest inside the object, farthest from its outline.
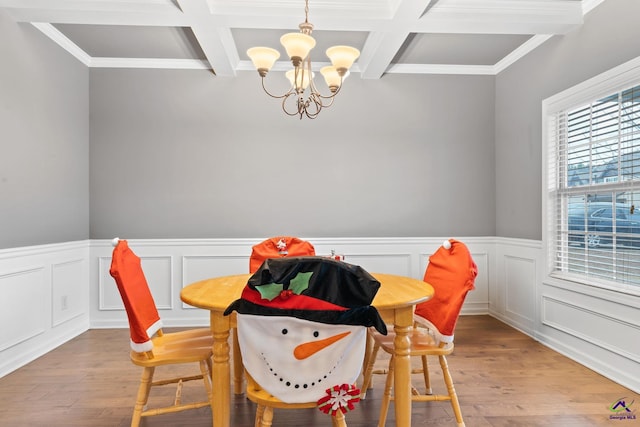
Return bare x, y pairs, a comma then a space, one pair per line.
300, 283
270, 291
297, 285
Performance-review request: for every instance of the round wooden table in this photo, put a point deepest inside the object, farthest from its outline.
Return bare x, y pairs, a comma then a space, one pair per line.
395, 301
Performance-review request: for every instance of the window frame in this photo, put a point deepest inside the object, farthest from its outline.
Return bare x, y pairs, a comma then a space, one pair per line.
606, 84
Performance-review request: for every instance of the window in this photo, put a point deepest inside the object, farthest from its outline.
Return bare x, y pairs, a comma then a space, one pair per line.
592, 205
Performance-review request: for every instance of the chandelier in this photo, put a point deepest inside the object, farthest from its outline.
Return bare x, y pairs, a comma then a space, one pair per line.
296, 101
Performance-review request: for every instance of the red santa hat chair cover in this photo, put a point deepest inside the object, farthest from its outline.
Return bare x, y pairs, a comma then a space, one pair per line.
278, 247
144, 320
452, 272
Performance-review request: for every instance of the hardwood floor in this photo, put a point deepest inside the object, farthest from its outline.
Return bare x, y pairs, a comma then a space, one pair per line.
503, 378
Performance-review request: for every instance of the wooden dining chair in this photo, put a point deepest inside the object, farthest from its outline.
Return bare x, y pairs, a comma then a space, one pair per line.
302, 325
150, 346
278, 247
266, 403
452, 272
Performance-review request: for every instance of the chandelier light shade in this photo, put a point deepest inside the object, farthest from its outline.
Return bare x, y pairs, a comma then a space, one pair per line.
298, 46
332, 78
342, 57
263, 58
303, 97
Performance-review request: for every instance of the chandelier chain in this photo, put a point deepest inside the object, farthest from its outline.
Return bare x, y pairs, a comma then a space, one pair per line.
306, 11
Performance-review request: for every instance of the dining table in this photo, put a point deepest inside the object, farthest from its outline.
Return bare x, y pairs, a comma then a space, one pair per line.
395, 301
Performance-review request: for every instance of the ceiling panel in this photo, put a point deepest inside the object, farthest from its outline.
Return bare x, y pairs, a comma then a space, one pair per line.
458, 49
126, 41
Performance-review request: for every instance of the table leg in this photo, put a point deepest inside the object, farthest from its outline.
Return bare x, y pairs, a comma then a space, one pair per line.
367, 357
221, 394
402, 376
238, 367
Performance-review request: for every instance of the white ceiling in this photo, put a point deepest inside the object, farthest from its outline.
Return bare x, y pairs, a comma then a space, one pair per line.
394, 36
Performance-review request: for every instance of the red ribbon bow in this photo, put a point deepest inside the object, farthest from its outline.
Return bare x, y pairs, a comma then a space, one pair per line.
339, 398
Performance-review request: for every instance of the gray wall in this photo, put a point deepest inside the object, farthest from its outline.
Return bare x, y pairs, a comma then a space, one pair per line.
187, 154
180, 153
44, 144
609, 37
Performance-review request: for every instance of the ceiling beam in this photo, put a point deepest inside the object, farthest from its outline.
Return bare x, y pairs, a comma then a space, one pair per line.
501, 17
214, 37
382, 45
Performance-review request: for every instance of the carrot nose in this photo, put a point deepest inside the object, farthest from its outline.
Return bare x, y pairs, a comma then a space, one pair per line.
309, 348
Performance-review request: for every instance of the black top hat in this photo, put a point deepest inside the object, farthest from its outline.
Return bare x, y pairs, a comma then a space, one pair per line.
312, 288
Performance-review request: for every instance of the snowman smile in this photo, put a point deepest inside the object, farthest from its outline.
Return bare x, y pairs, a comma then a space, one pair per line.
298, 383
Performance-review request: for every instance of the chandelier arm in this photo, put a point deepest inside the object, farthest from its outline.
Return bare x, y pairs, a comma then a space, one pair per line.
330, 98
328, 104
290, 92
284, 105
307, 107
320, 99
318, 106
315, 91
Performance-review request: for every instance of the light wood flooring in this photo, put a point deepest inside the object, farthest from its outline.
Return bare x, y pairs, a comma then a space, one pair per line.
503, 378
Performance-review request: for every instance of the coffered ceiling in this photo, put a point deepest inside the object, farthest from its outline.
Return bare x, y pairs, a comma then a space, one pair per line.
394, 36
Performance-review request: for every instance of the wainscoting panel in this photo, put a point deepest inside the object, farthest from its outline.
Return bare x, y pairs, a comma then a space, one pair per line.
477, 301
68, 290
582, 321
44, 300
22, 292
196, 268
108, 296
158, 271
399, 264
513, 285
520, 290
596, 327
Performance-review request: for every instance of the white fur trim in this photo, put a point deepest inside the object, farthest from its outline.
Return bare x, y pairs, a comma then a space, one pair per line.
147, 345
151, 330
141, 347
439, 337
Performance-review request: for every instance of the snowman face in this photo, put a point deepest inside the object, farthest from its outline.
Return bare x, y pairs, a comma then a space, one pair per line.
297, 360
